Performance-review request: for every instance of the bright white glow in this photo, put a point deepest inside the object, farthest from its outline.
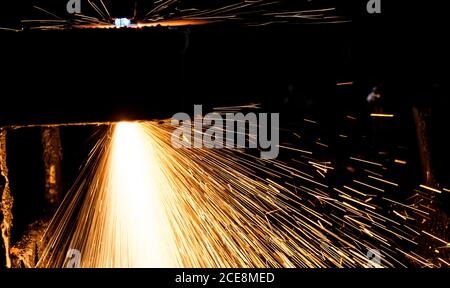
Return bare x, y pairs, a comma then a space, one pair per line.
140, 230
122, 22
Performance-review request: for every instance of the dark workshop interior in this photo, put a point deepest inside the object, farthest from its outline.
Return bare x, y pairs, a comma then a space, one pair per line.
59, 87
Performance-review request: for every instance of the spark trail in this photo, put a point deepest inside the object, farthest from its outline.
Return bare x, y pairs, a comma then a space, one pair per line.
139, 202
182, 13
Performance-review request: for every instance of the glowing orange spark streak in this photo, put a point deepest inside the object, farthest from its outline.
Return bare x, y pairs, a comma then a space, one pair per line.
382, 115
430, 188
216, 208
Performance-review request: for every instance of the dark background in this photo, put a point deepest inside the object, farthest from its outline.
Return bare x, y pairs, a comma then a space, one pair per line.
71, 76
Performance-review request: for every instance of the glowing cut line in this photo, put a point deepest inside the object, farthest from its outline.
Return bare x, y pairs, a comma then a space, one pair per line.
119, 23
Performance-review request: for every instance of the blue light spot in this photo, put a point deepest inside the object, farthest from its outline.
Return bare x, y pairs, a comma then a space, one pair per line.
122, 22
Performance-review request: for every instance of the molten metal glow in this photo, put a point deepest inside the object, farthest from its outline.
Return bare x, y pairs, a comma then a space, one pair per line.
123, 195
165, 23
122, 22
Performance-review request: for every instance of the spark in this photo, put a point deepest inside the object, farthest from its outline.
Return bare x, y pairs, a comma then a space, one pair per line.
373, 173
164, 23
382, 115
139, 202
356, 191
321, 144
122, 222
365, 184
383, 180
344, 83
365, 161
295, 149
9, 29
443, 261
309, 121
174, 13
430, 188
435, 237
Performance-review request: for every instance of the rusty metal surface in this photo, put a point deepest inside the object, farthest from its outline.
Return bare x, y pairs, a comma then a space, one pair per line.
6, 201
26, 252
52, 156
